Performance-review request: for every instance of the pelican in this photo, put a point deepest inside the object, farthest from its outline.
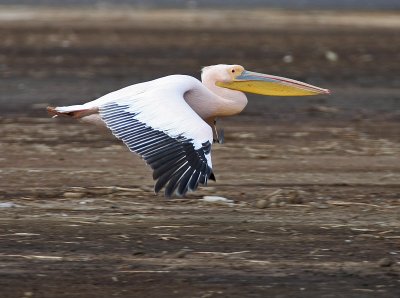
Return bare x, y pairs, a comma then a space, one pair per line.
170, 121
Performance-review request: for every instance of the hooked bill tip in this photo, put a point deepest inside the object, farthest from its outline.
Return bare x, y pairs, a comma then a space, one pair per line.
327, 91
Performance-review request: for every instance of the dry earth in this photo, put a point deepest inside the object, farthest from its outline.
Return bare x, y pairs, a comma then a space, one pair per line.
314, 183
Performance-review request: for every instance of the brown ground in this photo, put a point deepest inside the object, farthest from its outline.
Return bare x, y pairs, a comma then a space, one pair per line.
77, 213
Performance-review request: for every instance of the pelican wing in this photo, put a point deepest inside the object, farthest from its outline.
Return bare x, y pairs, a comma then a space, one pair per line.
161, 127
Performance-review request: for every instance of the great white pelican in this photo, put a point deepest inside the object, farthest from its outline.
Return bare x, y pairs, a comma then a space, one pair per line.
170, 121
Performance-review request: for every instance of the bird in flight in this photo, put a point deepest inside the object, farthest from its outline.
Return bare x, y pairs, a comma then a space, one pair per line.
170, 121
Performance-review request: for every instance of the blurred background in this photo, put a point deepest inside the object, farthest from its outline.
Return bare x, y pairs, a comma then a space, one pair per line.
339, 4
314, 181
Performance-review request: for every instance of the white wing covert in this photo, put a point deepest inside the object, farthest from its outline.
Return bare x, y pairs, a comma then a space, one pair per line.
161, 127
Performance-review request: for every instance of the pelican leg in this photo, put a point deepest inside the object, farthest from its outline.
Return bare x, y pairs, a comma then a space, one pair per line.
219, 134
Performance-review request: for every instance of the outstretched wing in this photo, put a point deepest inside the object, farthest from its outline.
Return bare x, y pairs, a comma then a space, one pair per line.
161, 127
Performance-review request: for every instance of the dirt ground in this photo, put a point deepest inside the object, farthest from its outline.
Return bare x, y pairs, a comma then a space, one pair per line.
314, 182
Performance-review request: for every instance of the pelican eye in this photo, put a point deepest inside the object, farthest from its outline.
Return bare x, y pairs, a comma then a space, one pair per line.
233, 71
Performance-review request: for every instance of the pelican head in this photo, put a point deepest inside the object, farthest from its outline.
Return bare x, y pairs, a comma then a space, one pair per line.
235, 77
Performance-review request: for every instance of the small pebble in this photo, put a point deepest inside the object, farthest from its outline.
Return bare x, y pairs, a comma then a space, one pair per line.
7, 205
281, 204
182, 253
385, 262
216, 199
288, 59
261, 204
73, 195
138, 253
331, 56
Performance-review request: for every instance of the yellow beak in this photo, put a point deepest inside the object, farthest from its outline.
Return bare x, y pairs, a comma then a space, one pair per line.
264, 84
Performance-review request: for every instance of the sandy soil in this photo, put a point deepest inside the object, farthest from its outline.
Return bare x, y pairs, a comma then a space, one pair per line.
314, 183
